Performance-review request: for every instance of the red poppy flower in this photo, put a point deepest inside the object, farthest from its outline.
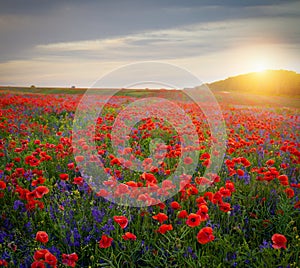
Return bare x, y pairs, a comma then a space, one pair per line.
20, 171
230, 186
147, 162
296, 185
202, 181
79, 158
225, 192
165, 228
209, 196
71, 166
283, 179
202, 212
129, 236
115, 161
201, 201
216, 178
40, 180
193, 220
50, 259
64, 177
78, 181
245, 162
188, 160
29, 195
270, 162
225, 207
32, 161
2, 185
3, 263
122, 189
40, 254
43, 255
33, 203
161, 206
240, 172
102, 192
127, 164
289, 192
38, 264
279, 241
167, 185
205, 156
149, 177
206, 163
175, 205
217, 198
40, 191
182, 214
205, 235
105, 241
161, 217
42, 237
121, 220
69, 259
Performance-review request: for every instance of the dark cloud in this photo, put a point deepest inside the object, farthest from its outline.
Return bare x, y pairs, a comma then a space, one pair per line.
44, 6
25, 24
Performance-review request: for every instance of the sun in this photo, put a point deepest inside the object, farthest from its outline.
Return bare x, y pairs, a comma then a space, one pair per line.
260, 67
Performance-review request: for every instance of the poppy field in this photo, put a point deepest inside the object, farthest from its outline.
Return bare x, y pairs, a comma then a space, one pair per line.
52, 214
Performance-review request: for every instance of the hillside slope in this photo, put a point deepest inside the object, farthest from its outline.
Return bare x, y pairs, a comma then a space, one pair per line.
270, 82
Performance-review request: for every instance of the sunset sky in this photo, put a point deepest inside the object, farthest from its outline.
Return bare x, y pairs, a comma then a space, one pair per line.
65, 43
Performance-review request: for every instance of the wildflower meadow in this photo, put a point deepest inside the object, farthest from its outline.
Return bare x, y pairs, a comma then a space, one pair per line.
54, 214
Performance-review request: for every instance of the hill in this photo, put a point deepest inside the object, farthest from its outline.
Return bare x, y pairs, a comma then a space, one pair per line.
269, 82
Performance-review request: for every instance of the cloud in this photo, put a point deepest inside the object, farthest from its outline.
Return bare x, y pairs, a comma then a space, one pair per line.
23, 26
190, 40
87, 45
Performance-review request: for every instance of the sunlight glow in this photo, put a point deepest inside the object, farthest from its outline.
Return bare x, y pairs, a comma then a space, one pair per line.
260, 67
